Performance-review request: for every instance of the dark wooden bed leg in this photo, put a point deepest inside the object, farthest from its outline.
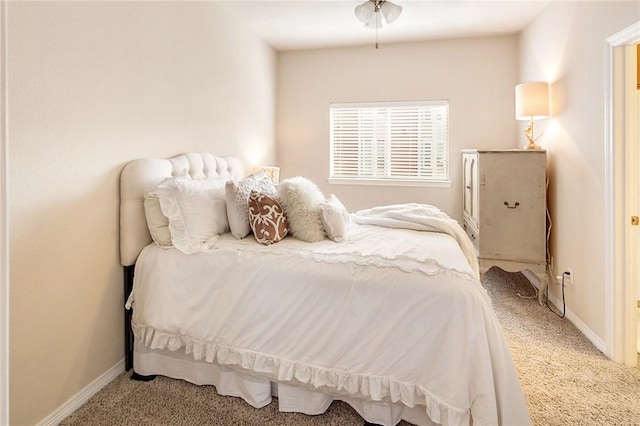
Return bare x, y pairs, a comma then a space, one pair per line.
128, 334
141, 378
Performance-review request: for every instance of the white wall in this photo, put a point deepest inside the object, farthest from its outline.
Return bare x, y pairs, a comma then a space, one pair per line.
92, 86
565, 45
477, 76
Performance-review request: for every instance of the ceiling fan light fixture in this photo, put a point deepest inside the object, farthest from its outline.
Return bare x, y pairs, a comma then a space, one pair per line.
371, 12
391, 11
365, 11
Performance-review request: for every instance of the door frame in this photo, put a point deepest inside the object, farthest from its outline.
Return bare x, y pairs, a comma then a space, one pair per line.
4, 218
619, 277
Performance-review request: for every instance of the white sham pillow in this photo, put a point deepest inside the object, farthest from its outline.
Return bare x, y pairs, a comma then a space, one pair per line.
157, 222
335, 218
300, 198
237, 198
196, 211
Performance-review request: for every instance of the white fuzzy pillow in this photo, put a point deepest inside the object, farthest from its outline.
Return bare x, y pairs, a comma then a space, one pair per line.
196, 210
300, 198
237, 198
335, 218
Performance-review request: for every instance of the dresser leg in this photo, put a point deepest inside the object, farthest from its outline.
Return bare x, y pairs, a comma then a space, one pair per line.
541, 280
543, 290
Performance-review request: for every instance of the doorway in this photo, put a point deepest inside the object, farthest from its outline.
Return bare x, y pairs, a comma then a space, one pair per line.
622, 158
632, 196
632, 184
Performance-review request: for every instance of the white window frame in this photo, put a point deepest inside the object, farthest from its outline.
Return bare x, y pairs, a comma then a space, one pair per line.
426, 165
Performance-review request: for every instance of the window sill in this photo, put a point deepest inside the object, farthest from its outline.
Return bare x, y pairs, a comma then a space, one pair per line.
390, 182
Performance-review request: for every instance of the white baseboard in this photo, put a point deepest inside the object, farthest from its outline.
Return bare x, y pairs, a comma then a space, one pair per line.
589, 334
69, 407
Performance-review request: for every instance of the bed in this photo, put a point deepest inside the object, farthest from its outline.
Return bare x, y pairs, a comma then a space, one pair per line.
392, 319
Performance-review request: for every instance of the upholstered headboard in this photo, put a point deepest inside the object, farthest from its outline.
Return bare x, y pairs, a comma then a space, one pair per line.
142, 176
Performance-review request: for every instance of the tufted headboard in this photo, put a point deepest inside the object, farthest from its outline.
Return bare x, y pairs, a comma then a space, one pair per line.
143, 175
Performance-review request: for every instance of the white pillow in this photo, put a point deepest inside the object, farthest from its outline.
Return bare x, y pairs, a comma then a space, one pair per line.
300, 198
335, 218
157, 222
196, 210
237, 198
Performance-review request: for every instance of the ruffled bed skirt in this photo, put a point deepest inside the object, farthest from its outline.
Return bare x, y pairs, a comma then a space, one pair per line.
258, 391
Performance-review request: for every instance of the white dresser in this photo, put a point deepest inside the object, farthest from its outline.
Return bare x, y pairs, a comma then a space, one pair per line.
504, 208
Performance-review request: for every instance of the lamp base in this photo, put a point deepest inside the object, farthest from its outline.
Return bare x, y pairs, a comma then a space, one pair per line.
528, 133
532, 145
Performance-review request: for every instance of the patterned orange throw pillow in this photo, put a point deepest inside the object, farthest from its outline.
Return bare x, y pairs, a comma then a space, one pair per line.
267, 219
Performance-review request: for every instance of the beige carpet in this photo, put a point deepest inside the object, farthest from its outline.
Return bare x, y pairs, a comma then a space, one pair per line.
566, 380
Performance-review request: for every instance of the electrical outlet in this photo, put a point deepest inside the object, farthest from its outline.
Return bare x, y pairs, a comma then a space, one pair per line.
568, 275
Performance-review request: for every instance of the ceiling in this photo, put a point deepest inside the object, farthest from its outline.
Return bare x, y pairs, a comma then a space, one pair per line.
306, 24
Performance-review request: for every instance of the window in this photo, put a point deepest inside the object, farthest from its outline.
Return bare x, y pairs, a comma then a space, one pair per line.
403, 143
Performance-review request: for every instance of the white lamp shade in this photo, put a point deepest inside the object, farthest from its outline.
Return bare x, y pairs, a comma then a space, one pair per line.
532, 100
391, 11
364, 12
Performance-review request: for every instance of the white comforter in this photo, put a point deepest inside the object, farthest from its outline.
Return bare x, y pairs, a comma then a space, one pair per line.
390, 315
420, 217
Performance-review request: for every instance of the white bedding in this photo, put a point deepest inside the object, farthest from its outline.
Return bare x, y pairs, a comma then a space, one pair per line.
391, 315
419, 217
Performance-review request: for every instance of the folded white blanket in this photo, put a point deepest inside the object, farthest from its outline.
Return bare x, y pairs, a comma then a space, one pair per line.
419, 217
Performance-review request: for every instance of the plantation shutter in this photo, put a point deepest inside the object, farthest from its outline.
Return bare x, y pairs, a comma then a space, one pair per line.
390, 141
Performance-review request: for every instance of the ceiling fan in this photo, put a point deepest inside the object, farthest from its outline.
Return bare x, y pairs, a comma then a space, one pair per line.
371, 12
